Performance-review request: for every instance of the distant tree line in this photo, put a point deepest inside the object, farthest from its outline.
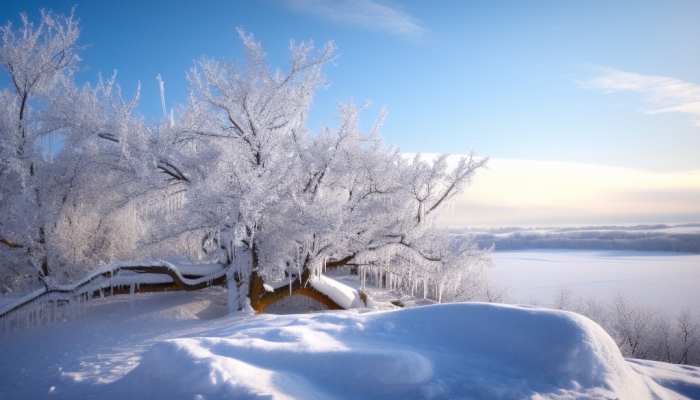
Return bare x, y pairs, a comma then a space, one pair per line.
596, 240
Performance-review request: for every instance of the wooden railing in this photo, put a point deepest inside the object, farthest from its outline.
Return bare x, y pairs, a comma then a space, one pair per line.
109, 280
156, 276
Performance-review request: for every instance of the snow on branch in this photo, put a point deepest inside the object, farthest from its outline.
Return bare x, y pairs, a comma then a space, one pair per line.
172, 170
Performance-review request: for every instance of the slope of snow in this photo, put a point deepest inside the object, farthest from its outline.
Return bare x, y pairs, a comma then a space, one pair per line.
167, 345
473, 350
684, 379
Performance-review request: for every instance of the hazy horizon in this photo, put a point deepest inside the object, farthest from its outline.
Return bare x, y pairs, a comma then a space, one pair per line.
531, 193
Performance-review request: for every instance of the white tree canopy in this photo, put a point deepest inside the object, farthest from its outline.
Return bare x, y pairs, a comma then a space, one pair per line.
234, 174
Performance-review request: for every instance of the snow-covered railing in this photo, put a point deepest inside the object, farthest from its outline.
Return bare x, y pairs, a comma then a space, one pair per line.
113, 278
68, 301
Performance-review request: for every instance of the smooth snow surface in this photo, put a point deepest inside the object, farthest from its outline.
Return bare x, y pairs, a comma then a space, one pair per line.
457, 350
166, 346
669, 280
684, 379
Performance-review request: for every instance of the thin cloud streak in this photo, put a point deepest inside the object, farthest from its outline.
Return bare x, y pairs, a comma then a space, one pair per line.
367, 14
551, 193
664, 94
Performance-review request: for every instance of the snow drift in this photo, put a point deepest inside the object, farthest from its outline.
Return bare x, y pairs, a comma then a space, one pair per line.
456, 350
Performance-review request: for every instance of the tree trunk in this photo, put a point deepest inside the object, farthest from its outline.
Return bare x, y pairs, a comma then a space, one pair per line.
45, 260
261, 298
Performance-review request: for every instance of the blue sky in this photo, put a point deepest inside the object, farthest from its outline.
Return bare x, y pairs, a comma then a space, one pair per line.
612, 84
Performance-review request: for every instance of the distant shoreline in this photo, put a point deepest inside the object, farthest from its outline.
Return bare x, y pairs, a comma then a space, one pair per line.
668, 238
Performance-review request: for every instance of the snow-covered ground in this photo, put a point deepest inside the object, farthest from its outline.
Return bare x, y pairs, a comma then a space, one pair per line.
666, 279
183, 346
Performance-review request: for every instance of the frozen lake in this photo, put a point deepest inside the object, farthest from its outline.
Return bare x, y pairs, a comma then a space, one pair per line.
669, 280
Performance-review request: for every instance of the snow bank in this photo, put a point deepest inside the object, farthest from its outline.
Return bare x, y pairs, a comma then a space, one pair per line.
343, 295
442, 351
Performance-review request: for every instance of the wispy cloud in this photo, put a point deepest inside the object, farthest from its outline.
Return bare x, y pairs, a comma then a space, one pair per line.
554, 193
367, 14
663, 94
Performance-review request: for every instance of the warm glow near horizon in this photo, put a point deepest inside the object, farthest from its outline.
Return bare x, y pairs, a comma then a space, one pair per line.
530, 193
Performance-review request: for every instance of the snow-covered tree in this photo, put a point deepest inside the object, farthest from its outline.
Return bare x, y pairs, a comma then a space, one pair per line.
35, 58
57, 200
292, 203
234, 175
90, 188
